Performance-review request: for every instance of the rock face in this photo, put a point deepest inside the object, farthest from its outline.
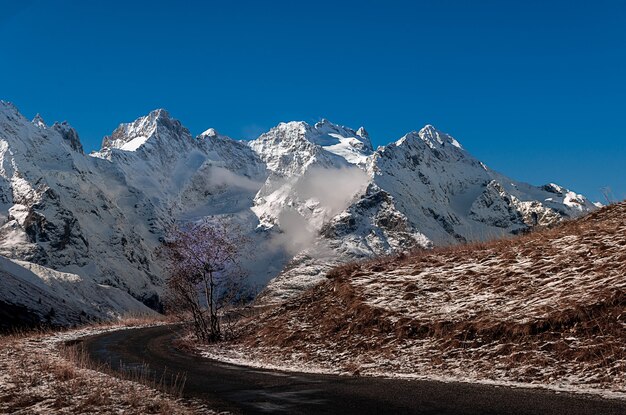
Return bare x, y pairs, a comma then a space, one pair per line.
71, 212
309, 196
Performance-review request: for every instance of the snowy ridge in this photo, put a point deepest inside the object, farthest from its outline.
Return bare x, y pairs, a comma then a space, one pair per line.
60, 298
310, 196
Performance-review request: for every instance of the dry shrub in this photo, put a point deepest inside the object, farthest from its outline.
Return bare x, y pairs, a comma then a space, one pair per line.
171, 383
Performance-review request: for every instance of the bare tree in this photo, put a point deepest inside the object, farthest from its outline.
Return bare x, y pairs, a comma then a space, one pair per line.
204, 273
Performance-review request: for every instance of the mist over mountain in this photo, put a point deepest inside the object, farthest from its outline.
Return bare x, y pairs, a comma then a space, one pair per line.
309, 197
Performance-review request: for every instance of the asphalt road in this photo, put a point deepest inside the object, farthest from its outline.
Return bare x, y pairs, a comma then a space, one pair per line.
252, 391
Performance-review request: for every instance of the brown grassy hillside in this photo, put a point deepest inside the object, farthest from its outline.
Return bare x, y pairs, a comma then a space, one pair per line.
548, 307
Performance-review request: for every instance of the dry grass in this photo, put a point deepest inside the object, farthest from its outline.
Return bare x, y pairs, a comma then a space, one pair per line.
546, 307
40, 374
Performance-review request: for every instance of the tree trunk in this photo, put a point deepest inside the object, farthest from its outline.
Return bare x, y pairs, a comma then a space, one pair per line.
209, 289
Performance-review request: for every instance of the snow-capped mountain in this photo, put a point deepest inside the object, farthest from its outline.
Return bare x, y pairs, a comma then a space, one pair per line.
424, 190
309, 196
71, 212
297, 155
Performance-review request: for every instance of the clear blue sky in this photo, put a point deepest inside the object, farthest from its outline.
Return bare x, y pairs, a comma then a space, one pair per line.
536, 89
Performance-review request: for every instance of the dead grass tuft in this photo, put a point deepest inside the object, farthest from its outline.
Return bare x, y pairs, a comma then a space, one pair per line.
40, 375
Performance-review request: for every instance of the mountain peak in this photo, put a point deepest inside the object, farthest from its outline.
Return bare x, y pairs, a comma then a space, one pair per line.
362, 132
285, 134
325, 124
68, 133
39, 122
9, 110
433, 137
7, 105
159, 114
429, 129
209, 133
430, 136
293, 125
132, 136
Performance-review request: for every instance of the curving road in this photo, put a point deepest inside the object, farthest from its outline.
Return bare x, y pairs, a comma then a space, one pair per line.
252, 391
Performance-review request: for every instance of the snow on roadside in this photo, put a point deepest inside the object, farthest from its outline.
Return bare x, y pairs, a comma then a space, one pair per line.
39, 375
268, 359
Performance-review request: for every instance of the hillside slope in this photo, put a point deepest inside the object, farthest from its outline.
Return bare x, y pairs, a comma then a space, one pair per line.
545, 308
31, 293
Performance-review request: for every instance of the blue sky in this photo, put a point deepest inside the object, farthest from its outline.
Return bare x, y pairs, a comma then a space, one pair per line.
535, 89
